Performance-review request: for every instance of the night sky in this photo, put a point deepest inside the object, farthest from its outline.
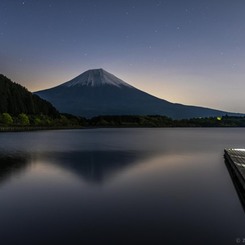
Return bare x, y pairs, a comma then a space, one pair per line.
186, 51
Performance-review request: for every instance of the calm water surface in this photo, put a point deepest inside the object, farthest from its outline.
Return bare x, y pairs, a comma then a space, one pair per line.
119, 186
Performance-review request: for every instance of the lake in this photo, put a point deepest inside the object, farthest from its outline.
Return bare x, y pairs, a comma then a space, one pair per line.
119, 186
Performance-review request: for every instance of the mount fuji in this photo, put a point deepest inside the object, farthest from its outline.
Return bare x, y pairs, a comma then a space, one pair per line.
97, 92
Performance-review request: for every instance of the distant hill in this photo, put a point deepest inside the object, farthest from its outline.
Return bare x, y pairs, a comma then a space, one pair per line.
97, 92
16, 99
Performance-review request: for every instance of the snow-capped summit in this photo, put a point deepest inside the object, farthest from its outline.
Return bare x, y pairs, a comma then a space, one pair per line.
96, 77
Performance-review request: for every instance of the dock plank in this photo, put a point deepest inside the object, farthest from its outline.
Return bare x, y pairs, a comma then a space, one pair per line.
236, 157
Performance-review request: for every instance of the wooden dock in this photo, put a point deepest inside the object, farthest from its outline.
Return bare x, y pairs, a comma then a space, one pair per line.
235, 162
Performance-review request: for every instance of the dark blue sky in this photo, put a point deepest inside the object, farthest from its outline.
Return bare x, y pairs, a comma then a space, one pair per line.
190, 51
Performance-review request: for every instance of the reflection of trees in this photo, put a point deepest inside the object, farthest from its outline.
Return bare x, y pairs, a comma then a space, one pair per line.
12, 164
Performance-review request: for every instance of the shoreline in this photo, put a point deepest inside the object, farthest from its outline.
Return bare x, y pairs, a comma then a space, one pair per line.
30, 129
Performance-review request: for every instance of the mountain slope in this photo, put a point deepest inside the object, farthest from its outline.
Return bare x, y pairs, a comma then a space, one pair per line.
97, 92
16, 99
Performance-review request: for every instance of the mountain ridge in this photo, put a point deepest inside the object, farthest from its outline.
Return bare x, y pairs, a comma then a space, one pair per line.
98, 92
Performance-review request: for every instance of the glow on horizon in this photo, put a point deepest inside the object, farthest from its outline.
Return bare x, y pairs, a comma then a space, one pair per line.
163, 86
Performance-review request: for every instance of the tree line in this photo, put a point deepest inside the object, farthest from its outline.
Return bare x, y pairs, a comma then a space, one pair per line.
41, 120
67, 120
163, 121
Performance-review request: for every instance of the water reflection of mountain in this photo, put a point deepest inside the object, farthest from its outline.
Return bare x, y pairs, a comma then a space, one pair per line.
12, 164
96, 166
91, 166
